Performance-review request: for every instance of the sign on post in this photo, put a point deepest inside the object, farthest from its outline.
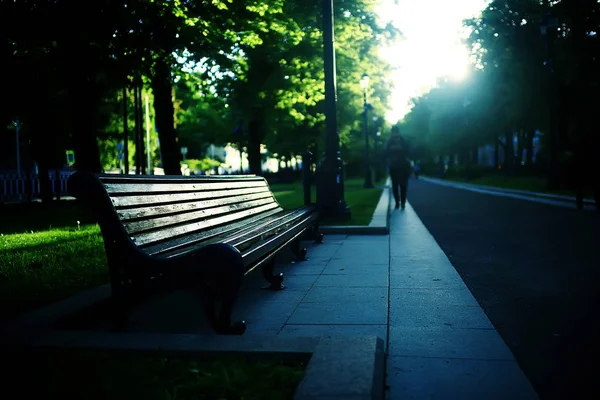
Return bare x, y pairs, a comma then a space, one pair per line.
184, 152
70, 157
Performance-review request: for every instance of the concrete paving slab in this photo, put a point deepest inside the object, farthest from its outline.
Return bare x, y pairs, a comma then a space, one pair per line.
348, 295
353, 280
265, 312
340, 313
429, 280
446, 378
355, 266
292, 279
448, 342
293, 294
366, 239
451, 297
438, 315
323, 251
421, 262
309, 330
363, 254
308, 267
402, 253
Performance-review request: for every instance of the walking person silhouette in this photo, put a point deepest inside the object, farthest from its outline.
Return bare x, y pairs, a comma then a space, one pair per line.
396, 152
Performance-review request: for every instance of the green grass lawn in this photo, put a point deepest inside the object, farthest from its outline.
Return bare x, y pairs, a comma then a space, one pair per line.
37, 268
361, 201
87, 374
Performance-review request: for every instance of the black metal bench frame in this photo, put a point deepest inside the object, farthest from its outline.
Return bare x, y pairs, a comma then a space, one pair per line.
212, 266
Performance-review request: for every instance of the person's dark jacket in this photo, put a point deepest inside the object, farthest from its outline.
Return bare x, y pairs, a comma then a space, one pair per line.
397, 155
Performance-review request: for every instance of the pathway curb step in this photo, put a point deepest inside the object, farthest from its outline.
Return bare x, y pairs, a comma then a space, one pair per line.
527, 193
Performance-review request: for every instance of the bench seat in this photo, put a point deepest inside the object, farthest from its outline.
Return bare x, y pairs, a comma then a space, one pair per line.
195, 233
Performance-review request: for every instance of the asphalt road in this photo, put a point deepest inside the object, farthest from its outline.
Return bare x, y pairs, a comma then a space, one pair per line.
535, 270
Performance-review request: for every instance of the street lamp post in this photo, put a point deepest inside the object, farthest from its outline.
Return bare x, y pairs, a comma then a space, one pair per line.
330, 187
18, 147
364, 84
548, 27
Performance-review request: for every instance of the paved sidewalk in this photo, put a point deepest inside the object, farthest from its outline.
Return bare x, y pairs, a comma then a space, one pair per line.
400, 287
441, 343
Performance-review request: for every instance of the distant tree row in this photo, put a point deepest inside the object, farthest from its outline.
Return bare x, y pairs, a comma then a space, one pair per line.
523, 80
215, 71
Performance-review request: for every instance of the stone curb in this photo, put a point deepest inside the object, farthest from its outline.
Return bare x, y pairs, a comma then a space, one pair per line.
339, 367
350, 368
570, 199
50, 314
379, 225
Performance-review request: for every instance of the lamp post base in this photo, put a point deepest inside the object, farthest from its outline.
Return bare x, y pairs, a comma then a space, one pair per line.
368, 180
330, 192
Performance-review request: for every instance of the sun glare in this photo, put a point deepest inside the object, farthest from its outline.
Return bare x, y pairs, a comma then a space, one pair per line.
431, 46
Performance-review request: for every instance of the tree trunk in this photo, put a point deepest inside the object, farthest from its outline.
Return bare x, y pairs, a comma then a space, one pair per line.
85, 104
42, 148
136, 127
256, 133
162, 87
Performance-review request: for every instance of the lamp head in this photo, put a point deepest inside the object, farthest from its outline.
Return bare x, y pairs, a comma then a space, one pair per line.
364, 81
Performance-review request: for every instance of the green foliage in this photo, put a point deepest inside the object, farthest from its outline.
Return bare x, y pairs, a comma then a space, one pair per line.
231, 60
510, 88
205, 164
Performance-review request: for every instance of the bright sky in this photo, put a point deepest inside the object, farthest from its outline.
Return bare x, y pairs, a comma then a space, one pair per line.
431, 47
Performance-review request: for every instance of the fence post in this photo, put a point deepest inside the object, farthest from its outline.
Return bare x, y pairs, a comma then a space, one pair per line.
307, 159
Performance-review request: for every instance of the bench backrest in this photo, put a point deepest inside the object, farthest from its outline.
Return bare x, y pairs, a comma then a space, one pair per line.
160, 214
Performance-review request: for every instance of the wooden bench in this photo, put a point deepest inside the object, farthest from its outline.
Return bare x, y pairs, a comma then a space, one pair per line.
192, 233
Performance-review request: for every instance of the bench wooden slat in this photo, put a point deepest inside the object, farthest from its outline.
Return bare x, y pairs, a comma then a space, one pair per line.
265, 247
124, 188
168, 222
148, 211
150, 237
247, 232
154, 199
269, 228
193, 239
105, 178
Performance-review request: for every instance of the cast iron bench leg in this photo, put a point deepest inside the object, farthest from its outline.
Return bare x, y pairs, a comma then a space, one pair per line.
222, 274
299, 252
275, 281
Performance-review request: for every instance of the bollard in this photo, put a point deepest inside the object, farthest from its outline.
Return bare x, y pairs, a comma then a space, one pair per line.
307, 159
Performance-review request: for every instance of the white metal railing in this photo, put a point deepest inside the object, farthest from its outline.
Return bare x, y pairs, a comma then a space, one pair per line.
26, 186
